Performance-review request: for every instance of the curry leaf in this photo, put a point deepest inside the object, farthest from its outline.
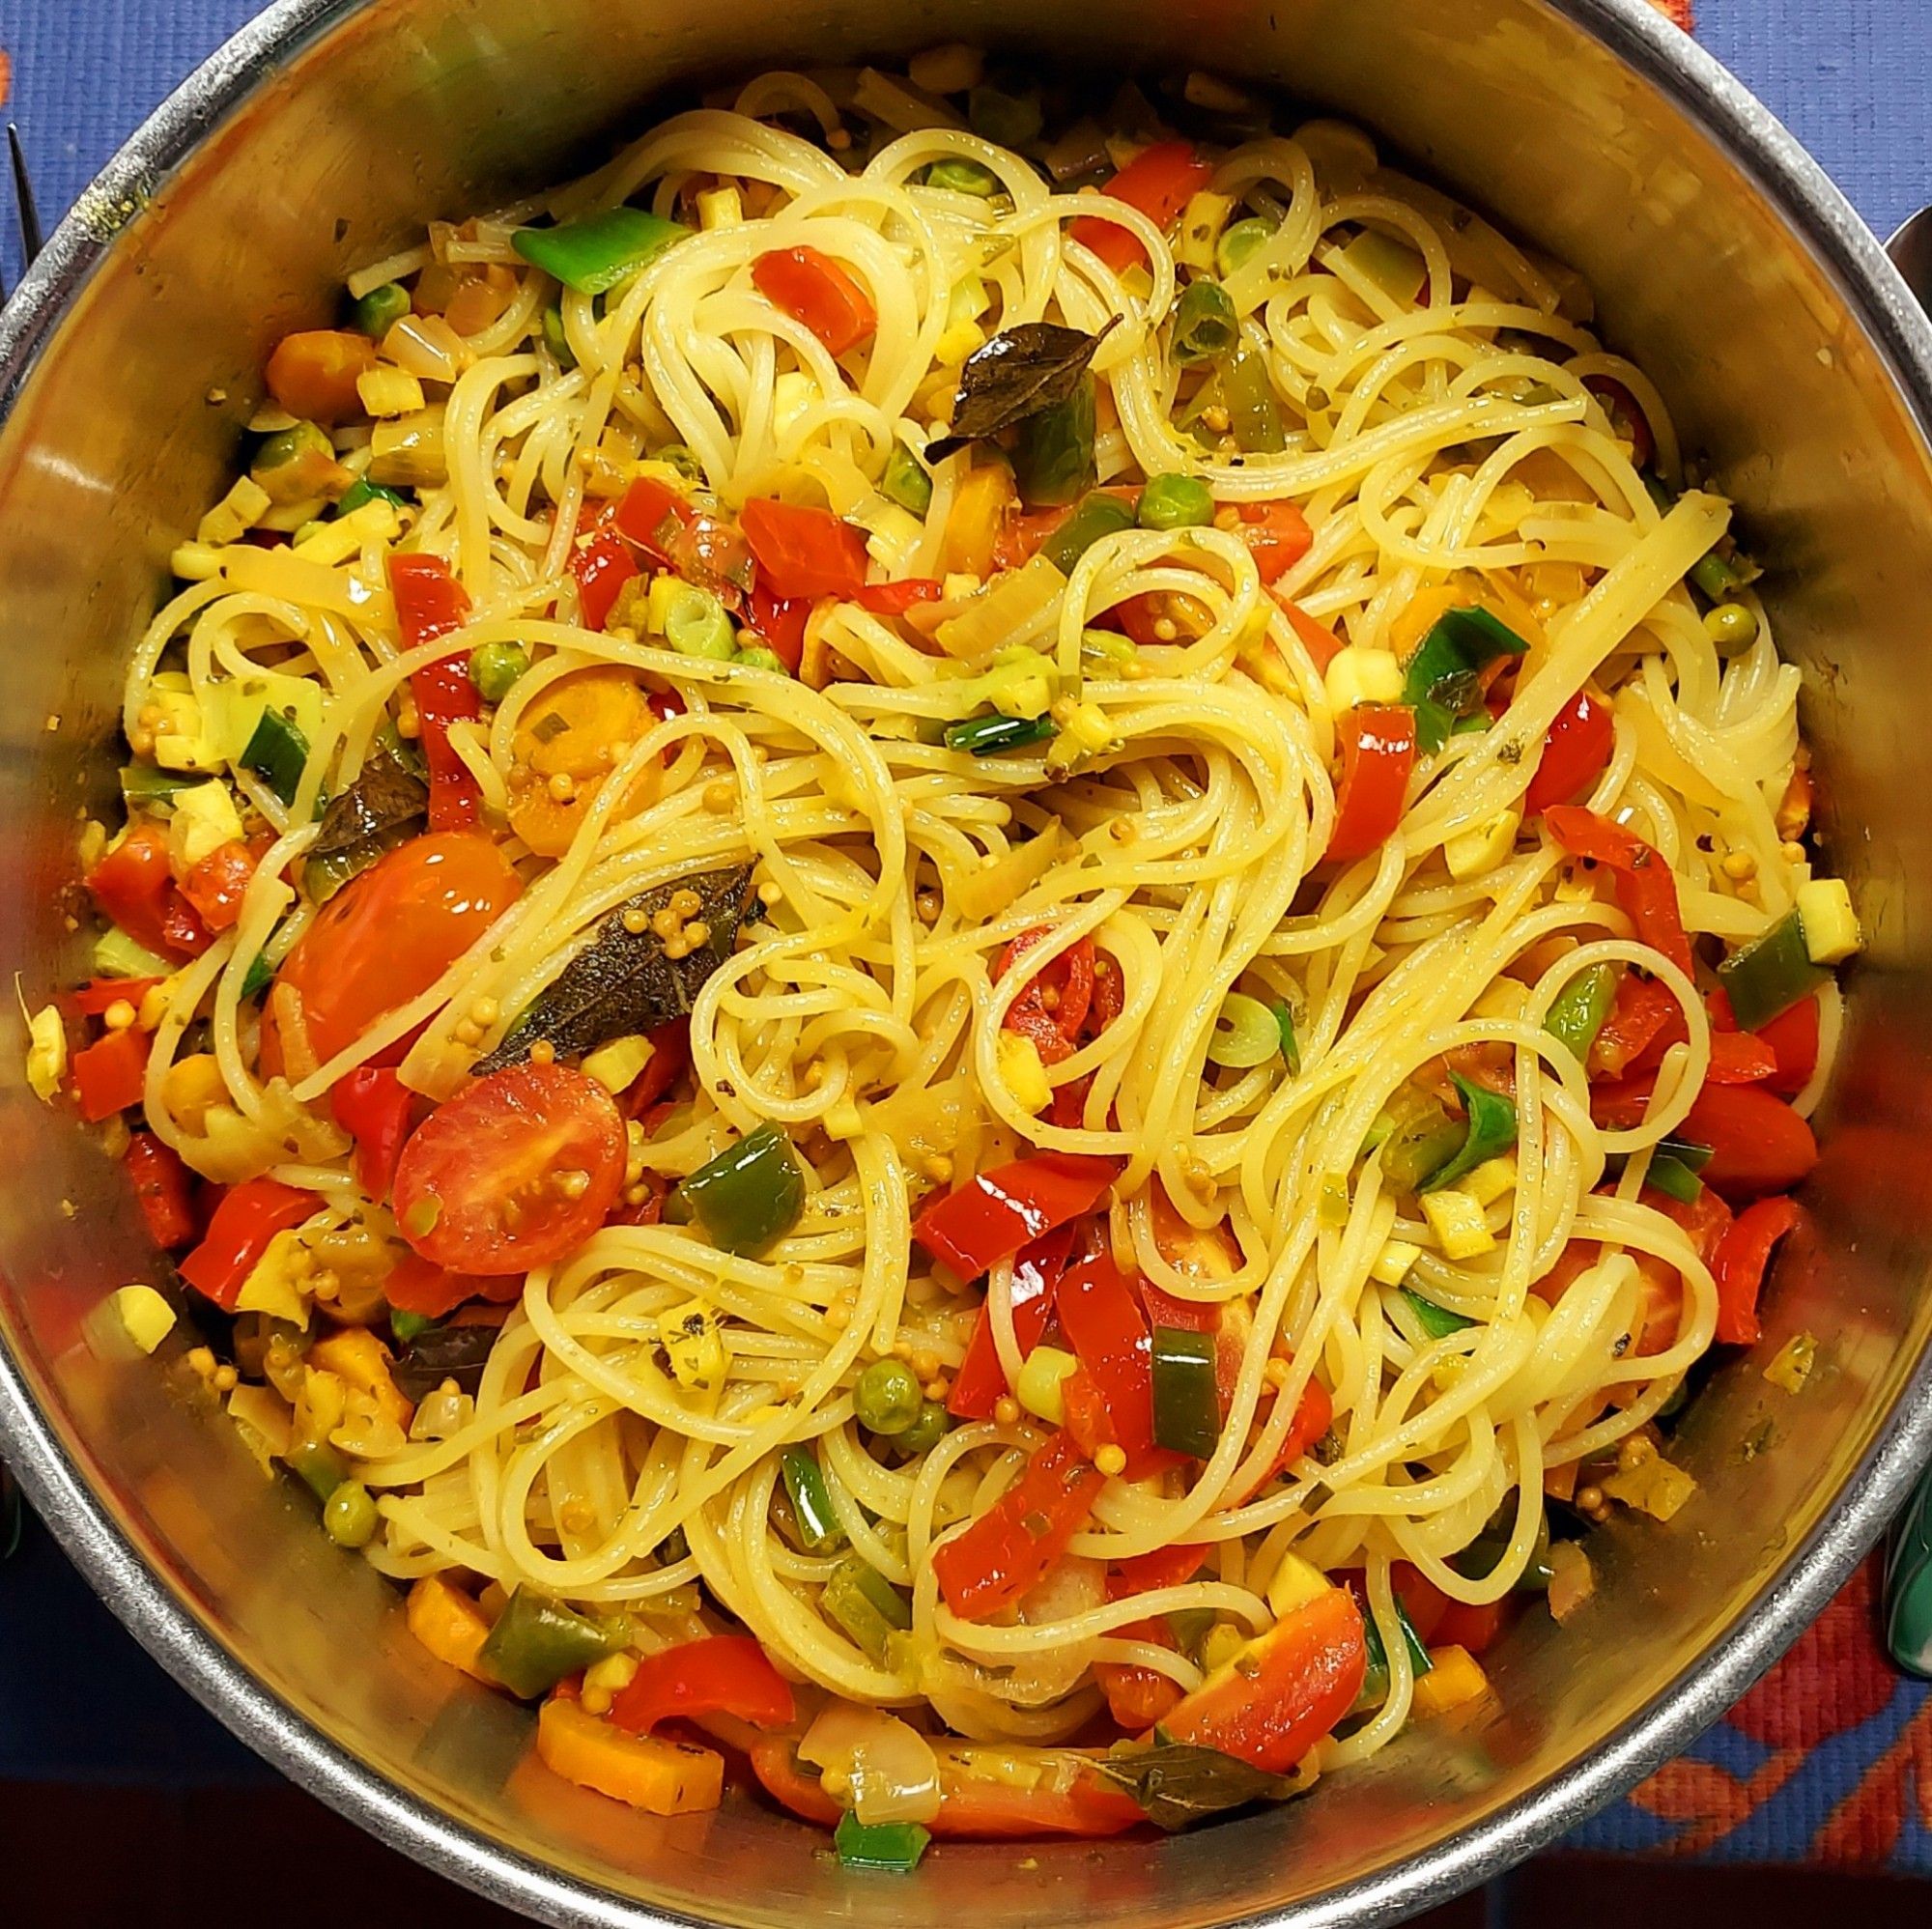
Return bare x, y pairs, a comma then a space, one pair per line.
381, 806
1176, 1782
1019, 373
624, 983
444, 1352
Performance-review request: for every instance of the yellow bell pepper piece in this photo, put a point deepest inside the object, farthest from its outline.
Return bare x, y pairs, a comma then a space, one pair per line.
449, 1625
363, 1361
1454, 1677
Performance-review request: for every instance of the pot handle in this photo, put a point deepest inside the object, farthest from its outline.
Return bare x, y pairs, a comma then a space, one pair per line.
1910, 252
1907, 1571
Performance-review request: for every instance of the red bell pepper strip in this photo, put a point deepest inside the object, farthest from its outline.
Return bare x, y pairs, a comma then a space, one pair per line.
418, 1286
1377, 743
372, 1105
1575, 752
1793, 1038
895, 599
1165, 1567
727, 1673
1645, 888
997, 1213
814, 289
108, 1076
94, 997
1619, 404
601, 562
1010, 1549
216, 884
1159, 182
1642, 1012
431, 604
1739, 1058
134, 887
982, 1381
653, 515
1107, 1329
1054, 1029
1286, 1689
803, 551
779, 622
162, 1189
1277, 536
1740, 1266
1321, 643
250, 1215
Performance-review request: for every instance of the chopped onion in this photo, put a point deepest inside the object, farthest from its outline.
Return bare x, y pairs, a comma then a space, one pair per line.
886, 1766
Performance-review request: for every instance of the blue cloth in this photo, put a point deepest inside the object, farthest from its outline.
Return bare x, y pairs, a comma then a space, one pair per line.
1853, 78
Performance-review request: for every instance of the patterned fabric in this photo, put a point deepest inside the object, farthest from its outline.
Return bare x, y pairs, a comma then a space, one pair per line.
1827, 1760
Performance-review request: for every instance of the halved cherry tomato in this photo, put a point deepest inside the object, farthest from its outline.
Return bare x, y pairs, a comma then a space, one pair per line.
821, 293
982, 1380
1377, 743
1277, 536
1573, 752
134, 887
1793, 1038
1053, 1027
727, 1673
996, 1212
513, 1174
386, 937
803, 551
314, 374
1271, 1702
216, 884
162, 1189
110, 1074
414, 1286
431, 604
1740, 1266
601, 563
1646, 890
1010, 1549
1758, 1143
372, 1105
1158, 181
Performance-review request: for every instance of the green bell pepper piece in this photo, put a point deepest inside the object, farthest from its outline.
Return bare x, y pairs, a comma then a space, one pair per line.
859, 1598
1053, 461
810, 1502
1444, 678
1186, 1407
1007, 120
1290, 1048
1673, 1178
1205, 323
597, 253
1415, 1140
1438, 1321
750, 1195
556, 341
1253, 413
1098, 515
895, 1846
1771, 974
277, 753
984, 736
1578, 1011
1491, 1131
537, 1641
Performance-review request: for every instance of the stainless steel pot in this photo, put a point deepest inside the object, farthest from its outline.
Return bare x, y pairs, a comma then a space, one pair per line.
1724, 261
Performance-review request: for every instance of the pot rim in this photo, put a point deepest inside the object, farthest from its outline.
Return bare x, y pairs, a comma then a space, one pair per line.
1819, 215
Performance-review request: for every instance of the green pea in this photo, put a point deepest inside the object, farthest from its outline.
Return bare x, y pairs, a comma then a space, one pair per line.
1731, 625
1176, 502
696, 624
927, 1430
380, 309
964, 177
759, 658
495, 667
1239, 241
349, 1514
680, 459
886, 1398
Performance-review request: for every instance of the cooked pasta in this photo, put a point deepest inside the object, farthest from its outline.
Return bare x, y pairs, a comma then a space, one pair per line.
1217, 703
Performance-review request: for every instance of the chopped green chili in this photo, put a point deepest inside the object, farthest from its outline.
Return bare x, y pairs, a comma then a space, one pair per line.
1375, 1680
811, 1501
1444, 677
379, 311
1290, 1049
1771, 974
1418, 1137
1097, 515
1578, 1012
319, 1465
859, 1598
1186, 1407
148, 783
556, 341
750, 1195
906, 481
594, 255
757, 657
1480, 1558
406, 1326
1253, 413
984, 736
257, 979
1438, 1321
1686, 1153
1205, 323
277, 753
1053, 461
1176, 502
362, 491
1716, 576
537, 1641
1673, 1178
1491, 1132
896, 1846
